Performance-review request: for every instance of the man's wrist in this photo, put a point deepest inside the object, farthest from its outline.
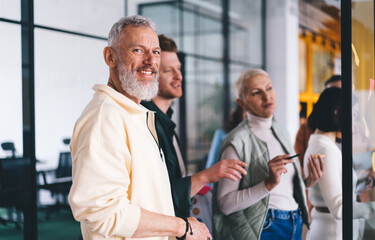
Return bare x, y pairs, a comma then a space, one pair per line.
200, 178
187, 228
181, 227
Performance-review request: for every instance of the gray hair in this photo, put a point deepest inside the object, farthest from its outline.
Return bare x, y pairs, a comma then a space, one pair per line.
118, 27
247, 74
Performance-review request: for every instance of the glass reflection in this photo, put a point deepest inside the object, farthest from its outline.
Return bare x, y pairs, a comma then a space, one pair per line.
84, 16
204, 87
10, 9
12, 166
246, 26
63, 79
197, 29
363, 102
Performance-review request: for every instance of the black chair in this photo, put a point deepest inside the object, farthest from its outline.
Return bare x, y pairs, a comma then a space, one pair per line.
14, 187
9, 146
61, 182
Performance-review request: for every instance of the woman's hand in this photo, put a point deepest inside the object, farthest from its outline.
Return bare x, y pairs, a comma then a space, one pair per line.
276, 167
315, 167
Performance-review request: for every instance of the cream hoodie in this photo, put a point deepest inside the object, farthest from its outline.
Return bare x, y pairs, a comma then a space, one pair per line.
117, 167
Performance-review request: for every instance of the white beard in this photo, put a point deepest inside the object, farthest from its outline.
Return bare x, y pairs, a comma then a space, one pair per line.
135, 88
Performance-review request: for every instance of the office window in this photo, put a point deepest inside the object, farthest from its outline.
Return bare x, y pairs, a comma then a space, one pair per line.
322, 66
166, 16
363, 102
10, 121
68, 47
66, 68
197, 28
204, 90
202, 33
246, 29
11, 88
302, 66
10, 9
93, 17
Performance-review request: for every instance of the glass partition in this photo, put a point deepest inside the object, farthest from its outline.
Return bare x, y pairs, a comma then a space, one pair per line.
246, 29
197, 27
363, 110
93, 17
61, 48
67, 65
10, 9
11, 140
62, 88
204, 88
11, 88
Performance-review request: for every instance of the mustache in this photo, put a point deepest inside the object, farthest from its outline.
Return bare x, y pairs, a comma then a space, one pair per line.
147, 68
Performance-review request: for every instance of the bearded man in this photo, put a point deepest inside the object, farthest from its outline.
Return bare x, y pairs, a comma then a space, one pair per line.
120, 184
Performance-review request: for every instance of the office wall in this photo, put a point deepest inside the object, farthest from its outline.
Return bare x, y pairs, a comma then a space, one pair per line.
282, 60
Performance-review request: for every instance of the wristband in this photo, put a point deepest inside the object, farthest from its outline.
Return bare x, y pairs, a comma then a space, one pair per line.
183, 237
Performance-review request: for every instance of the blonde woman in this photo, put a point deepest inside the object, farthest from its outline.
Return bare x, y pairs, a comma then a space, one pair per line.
269, 202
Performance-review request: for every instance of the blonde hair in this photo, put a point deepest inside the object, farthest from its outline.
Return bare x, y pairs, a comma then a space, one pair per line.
247, 74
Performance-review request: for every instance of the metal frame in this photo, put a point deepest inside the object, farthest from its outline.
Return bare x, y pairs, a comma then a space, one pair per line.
226, 60
182, 110
347, 154
28, 109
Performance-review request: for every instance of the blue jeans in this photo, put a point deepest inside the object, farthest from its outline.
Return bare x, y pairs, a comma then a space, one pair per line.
282, 225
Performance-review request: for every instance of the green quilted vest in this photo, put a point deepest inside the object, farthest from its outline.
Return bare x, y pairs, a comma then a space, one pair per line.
247, 224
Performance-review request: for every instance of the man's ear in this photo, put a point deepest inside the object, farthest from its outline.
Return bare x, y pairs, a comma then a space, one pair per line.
110, 57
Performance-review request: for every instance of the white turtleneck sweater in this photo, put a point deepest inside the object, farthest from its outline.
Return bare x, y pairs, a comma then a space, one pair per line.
231, 199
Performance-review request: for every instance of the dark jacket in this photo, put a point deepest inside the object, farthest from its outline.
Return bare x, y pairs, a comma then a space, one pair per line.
180, 187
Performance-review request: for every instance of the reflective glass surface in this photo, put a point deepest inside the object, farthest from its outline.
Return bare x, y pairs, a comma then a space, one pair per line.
321, 67
204, 88
202, 28
10, 9
197, 28
64, 77
302, 66
166, 17
11, 214
85, 16
363, 111
11, 88
246, 31
63, 82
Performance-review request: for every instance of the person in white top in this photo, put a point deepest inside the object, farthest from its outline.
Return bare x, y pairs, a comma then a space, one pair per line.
326, 196
120, 187
276, 183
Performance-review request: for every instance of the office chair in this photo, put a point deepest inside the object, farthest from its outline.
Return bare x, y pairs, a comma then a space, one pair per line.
9, 146
14, 187
59, 187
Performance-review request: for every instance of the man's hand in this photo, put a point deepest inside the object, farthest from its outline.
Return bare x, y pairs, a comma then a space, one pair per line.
316, 170
276, 167
198, 229
226, 168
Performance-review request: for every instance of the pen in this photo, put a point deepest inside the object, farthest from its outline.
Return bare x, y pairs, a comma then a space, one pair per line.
292, 156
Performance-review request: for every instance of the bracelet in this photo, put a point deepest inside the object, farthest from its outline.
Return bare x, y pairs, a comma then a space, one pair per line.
187, 229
